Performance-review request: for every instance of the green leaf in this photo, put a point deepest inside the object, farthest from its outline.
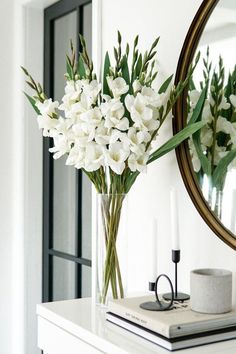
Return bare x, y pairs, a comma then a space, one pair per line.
196, 116
32, 102
138, 67
107, 65
165, 85
69, 70
173, 142
191, 84
130, 180
125, 69
205, 163
197, 112
221, 168
25, 70
80, 68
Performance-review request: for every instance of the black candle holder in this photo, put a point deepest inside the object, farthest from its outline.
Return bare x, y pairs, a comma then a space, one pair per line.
177, 295
159, 305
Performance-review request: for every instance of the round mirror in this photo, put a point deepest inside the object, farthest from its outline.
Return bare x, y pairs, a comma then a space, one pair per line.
208, 160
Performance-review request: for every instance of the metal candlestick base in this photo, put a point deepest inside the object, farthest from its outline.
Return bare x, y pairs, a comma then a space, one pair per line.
177, 297
159, 305
155, 306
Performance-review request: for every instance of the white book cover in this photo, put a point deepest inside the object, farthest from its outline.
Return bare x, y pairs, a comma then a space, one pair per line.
173, 343
180, 321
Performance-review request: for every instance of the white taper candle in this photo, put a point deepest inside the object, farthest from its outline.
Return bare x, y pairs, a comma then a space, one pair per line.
174, 220
153, 252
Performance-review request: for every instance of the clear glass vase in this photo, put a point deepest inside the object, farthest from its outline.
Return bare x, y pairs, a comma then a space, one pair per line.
111, 247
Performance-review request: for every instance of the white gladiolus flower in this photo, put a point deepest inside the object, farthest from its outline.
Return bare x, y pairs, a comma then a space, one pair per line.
73, 88
135, 137
68, 101
73, 91
138, 150
92, 90
63, 125
61, 146
153, 98
194, 97
136, 140
116, 156
117, 86
123, 124
102, 136
117, 135
106, 98
70, 87
136, 86
47, 107
224, 125
195, 160
94, 157
113, 112
76, 157
83, 105
47, 124
129, 102
206, 136
223, 104
139, 111
206, 112
83, 134
72, 94
112, 107
138, 163
92, 116
148, 126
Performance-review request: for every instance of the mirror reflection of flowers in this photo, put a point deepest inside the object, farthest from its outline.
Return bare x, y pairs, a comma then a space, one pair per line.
107, 128
213, 148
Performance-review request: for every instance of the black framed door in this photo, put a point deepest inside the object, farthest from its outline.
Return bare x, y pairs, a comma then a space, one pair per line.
66, 192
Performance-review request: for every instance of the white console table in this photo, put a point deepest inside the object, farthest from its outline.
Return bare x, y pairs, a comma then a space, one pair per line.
77, 327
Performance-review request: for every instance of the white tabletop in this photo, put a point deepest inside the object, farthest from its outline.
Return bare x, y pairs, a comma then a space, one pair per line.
87, 322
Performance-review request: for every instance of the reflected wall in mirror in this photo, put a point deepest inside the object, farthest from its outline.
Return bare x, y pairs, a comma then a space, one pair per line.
208, 160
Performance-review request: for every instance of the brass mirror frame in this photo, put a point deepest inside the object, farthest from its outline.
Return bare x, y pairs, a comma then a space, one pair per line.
182, 152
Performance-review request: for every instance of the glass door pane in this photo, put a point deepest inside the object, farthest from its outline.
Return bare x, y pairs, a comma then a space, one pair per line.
64, 177
64, 276
67, 195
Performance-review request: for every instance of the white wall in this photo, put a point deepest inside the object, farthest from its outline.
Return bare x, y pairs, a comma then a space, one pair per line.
6, 175
21, 38
20, 178
150, 195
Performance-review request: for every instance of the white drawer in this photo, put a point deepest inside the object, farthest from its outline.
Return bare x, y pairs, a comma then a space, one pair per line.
54, 340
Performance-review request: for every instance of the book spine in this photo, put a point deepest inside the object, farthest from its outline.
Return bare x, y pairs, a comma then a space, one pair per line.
139, 319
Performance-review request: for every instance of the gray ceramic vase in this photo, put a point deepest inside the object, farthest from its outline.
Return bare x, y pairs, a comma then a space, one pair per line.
211, 290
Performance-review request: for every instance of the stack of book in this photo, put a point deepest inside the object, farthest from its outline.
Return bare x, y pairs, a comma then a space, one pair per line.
174, 329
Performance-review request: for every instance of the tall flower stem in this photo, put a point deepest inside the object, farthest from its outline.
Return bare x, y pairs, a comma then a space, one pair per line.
111, 212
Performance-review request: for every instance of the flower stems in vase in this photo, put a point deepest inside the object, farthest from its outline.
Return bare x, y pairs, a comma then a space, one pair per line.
110, 207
